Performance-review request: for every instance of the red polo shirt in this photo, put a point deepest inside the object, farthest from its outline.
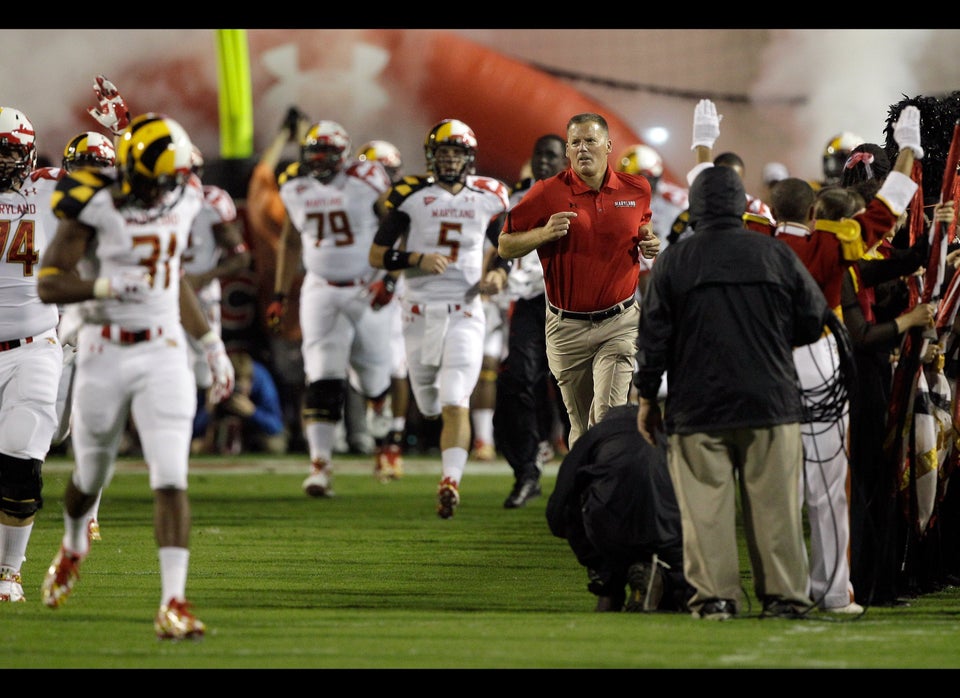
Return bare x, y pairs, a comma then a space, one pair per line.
596, 265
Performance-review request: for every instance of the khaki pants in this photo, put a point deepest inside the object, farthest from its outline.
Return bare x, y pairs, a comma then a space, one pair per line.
593, 363
766, 464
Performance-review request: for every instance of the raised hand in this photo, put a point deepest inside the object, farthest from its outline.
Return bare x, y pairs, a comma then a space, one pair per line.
906, 131
112, 112
706, 124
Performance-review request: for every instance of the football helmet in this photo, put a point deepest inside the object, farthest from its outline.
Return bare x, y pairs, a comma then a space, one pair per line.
643, 160
18, 148
456, 133
88, 149
836, 154
324, 150
154, 157
386, 153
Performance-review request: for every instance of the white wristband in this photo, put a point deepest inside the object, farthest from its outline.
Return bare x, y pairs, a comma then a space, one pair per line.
101, 288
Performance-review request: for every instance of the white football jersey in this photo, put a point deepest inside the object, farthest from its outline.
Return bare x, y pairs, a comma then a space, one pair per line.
132, 241
203, 252
525, 279
27, 225
337, 221
454, 225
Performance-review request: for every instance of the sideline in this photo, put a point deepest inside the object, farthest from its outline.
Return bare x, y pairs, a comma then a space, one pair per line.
297, 463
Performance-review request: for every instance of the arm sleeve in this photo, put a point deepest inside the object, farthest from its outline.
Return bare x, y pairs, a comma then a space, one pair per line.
863, 334
396, 224
656, 327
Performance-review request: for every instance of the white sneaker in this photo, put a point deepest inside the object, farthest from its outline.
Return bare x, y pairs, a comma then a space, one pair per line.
320, 480
851, 609
11, 586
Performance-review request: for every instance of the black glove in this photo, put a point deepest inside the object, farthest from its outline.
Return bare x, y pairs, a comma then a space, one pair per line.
291, 120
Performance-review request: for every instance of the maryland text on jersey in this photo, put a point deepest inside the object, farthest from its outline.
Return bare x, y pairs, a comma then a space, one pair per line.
22, 208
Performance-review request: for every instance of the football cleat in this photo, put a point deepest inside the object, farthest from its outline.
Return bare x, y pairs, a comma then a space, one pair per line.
448, 498
483, 451
319, 482
174, 621
63, 573
93, 529
389, 463
11, 586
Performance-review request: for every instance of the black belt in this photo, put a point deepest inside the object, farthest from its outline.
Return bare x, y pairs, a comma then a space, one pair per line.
592, 317
14, 343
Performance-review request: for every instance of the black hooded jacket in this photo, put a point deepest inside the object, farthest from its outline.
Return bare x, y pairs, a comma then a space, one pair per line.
722, 313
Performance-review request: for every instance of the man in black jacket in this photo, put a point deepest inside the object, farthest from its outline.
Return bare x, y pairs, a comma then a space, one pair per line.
722, 313
614, 504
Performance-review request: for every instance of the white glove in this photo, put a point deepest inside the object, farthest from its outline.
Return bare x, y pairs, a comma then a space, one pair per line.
706, 124
128, 286
220, 366
906, 131
112, 112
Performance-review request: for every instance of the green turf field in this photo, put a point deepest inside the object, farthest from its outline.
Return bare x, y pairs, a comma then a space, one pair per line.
374, 579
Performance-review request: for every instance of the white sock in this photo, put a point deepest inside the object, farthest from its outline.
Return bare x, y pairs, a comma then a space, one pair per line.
75, 538
173, 573
453, 461
13, 543
482, 425
320, 440
95, 509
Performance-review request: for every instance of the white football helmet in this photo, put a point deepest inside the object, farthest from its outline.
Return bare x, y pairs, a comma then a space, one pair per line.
643, 160
88, 149
18, 148
446, 133
386, 153
324, 150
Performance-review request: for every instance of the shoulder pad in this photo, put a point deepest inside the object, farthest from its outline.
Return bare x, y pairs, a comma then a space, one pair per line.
220, 201
404, 188
75, 189
54, 173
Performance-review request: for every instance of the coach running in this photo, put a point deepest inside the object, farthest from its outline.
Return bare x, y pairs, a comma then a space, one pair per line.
589, 225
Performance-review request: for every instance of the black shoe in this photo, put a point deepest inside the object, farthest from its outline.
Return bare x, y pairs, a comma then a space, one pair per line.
646, 586
717, 609
778, 608
525, 489
607, 604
